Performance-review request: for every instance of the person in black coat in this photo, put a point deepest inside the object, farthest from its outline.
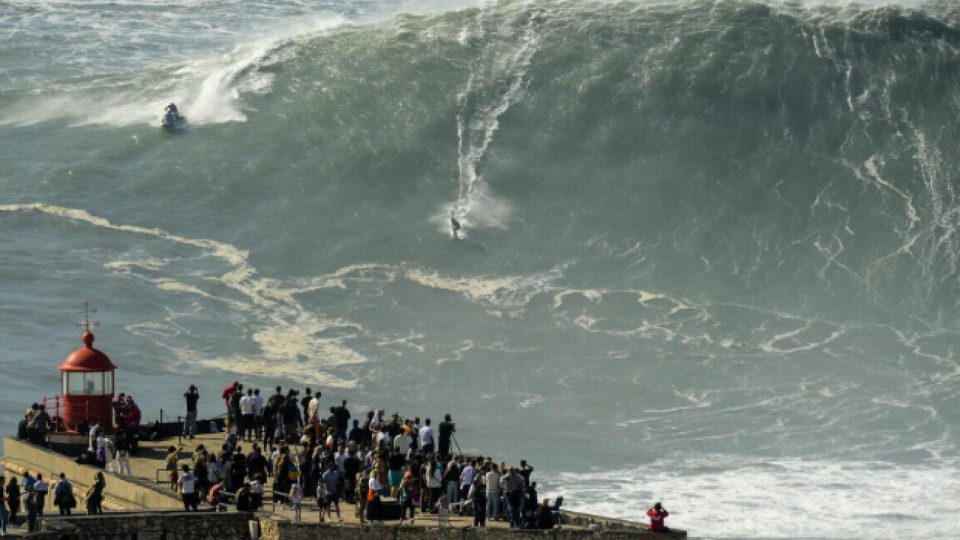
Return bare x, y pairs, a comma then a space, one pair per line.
544, 515
447, 429
478, 499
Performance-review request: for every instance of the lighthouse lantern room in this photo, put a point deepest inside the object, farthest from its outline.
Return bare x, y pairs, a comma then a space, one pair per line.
87, 385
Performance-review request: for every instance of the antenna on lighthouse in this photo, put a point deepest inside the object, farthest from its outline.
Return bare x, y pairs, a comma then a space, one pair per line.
86, 323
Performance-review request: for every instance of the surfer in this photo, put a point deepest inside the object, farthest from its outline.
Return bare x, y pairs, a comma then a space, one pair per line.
454, 226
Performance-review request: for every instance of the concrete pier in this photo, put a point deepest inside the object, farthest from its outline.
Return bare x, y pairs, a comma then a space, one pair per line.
143, 504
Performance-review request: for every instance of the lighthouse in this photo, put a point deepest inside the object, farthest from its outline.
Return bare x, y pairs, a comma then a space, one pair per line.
87, 385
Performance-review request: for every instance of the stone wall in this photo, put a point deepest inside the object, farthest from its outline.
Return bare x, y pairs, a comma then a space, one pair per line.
586, 520
276, 528
236, 526
151, 526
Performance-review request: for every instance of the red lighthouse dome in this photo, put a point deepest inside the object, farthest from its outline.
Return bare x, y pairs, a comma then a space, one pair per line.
87, 385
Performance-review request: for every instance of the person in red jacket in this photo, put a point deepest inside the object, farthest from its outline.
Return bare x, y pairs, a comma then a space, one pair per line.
132, 413
227, 392
657, 514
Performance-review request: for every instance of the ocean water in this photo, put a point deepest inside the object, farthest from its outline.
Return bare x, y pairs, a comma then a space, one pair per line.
710, 251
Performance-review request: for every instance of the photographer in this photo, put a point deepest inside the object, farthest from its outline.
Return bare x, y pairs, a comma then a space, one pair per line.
657, 514
447, 429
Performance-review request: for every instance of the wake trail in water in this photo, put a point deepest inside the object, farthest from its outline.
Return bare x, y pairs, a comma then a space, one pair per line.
497, 80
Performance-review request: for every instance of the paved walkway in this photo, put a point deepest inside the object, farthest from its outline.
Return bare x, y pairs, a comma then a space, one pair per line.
149, 462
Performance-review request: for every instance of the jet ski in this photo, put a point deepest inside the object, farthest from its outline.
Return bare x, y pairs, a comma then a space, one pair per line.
172, 119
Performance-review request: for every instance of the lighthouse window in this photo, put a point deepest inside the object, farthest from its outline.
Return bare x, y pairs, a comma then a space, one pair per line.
75, 384
88, 384
108, 383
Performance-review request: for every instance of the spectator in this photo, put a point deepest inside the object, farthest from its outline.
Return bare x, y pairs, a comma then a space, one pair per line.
357, 434
478, 499
466, 480
63, 497
405, 494
395, 463
227, 394
271, 428
434, 479
296, 499
313, 408
529, 506
258, 413
120, 410
657, 514
192, 396
41, 423
306, 400
544, 516
366, 428
256, 492
170, 465
40, 489
256, 463
363, 487
373, 499
292, 421
235, 412
426, 438
351, 467
3, 507
123, 453
525, 471
342, 415
95, 495
23, 432
133, 414
13, 499
492, 481
244, 499
277, 399
451, 481
513, 493
402, 442
323, 504
213, 471
332, 482
104, 453
282, 469
94, 433
31, 502
247, 417
200, 473
188, 489
27, 485
447, 429
238, 468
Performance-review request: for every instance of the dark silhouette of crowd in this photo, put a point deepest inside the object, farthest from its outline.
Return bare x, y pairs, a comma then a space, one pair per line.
305, 452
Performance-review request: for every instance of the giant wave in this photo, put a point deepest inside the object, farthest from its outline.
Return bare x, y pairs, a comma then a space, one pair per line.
716, 232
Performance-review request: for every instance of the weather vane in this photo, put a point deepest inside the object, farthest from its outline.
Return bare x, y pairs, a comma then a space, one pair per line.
86, 323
